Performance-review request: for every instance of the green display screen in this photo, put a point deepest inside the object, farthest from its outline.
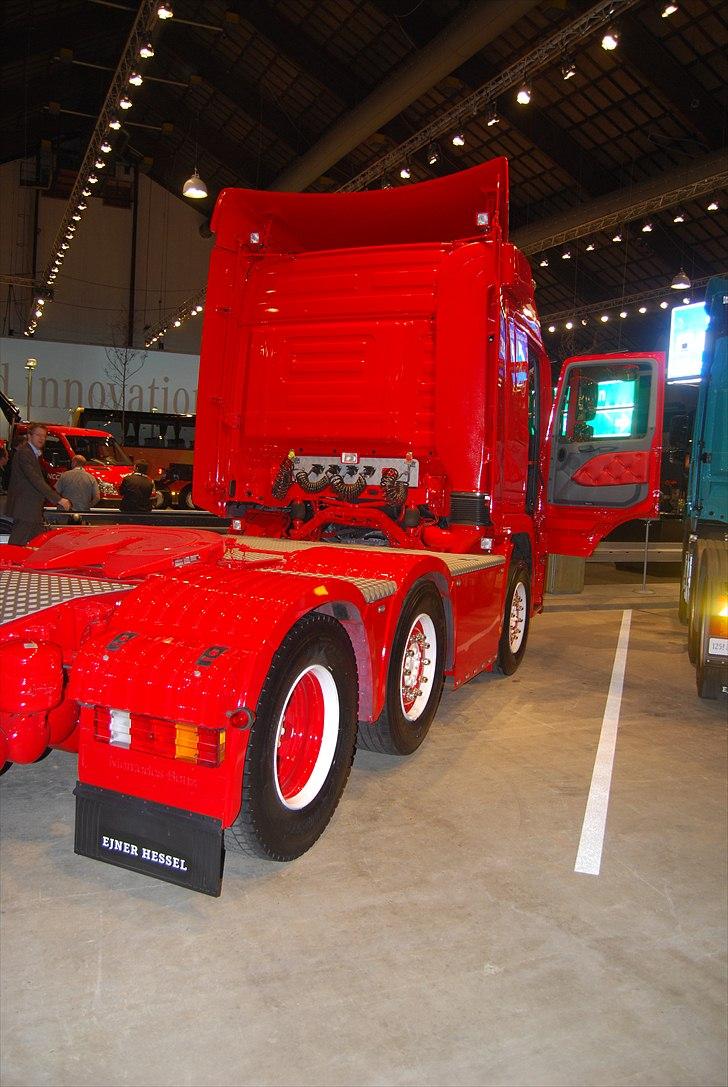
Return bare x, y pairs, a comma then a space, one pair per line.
614, 409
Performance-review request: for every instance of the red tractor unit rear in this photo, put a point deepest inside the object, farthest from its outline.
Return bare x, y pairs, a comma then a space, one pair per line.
375, 414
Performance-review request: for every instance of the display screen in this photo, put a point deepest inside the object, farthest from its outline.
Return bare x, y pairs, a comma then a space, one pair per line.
687, 340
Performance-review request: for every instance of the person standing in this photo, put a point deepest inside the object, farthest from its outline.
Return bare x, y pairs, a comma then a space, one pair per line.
28, 490
136, 490
79, 486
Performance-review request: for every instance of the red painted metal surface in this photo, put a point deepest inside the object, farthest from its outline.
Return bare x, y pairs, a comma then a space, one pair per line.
389, 331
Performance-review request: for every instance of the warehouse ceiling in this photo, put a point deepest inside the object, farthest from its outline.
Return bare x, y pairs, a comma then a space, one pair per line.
310, 93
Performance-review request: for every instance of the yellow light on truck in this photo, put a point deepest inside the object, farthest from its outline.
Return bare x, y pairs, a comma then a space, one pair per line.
185, 742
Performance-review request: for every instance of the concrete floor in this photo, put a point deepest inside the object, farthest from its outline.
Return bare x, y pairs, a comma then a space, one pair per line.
437, 934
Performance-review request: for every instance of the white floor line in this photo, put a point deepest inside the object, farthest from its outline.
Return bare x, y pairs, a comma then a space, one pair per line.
589, 856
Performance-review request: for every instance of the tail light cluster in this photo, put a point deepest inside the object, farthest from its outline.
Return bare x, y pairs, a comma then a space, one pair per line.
147, 735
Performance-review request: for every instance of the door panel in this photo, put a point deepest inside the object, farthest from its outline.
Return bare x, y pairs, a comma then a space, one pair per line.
602, 458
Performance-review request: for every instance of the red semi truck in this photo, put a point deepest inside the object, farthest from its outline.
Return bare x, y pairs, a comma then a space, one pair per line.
375, 414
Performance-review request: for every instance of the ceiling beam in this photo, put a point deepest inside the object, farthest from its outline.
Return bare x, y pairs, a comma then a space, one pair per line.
696, 108
481, 22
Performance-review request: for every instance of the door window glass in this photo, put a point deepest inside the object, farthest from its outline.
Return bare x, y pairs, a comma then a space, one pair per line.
601, 403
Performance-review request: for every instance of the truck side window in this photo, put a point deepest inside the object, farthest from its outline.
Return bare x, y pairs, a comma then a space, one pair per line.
602, 404
56, 453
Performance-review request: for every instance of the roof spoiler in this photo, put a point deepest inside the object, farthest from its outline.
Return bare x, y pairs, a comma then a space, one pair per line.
467, 204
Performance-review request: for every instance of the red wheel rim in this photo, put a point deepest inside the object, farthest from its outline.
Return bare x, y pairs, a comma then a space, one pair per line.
306, 737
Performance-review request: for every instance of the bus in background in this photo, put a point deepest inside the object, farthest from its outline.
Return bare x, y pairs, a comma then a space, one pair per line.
163, 440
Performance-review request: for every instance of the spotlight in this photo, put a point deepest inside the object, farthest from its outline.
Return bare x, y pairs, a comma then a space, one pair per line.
568, 69
687, 300
64, 245
164, 11
105, 147
569, 325
679, 217
114, 123
82, 206
610, 40
604, 318
177, 322
713, 205
617, 237
524, 95
552, 328
125, 102
458, 140
146, 50
668, 10
433, 155
39, 313
623, 313
92, 179
198, 309
99, 164
86, 192
642, 309
493, 117
76, 217
664, 305
544, 262
566, 255
405, 173
590, 247
136, 79
647, 227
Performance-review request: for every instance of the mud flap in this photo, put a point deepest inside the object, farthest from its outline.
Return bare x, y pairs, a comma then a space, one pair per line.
166, 843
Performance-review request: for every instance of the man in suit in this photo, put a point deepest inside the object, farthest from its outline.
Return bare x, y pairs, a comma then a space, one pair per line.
28, 490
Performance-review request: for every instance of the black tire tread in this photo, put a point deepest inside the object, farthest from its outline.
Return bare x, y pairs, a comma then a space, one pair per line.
377, 736
242, 836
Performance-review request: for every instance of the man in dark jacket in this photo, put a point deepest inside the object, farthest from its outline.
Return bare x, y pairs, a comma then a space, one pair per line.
136, 490
28, 490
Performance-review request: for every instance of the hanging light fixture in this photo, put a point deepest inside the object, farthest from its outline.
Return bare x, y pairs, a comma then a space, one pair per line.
642, 309
194, 187
105, 147
164, 11
617, 236
623, 313
125, 102
433, 155
679, 217
566, 255
590, 247
86, 192
647, 227
713, 205
681, 282
146, 50
114, 123
92, 179
136, 79
405, 173
568, 69
493, 117
524, 95
610, 40
458, 140
544, 262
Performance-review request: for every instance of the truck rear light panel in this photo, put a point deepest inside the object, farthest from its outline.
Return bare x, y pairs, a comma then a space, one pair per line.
143, 734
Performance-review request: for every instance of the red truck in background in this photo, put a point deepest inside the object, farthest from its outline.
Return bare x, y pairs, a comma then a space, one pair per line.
375, 414
105, 460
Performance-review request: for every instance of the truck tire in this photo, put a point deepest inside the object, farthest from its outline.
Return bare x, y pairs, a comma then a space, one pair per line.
415, 676
710, 676
292, 780
516, 619
185, 499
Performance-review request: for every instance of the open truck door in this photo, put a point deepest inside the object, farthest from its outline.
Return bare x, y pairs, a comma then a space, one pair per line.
601, 462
